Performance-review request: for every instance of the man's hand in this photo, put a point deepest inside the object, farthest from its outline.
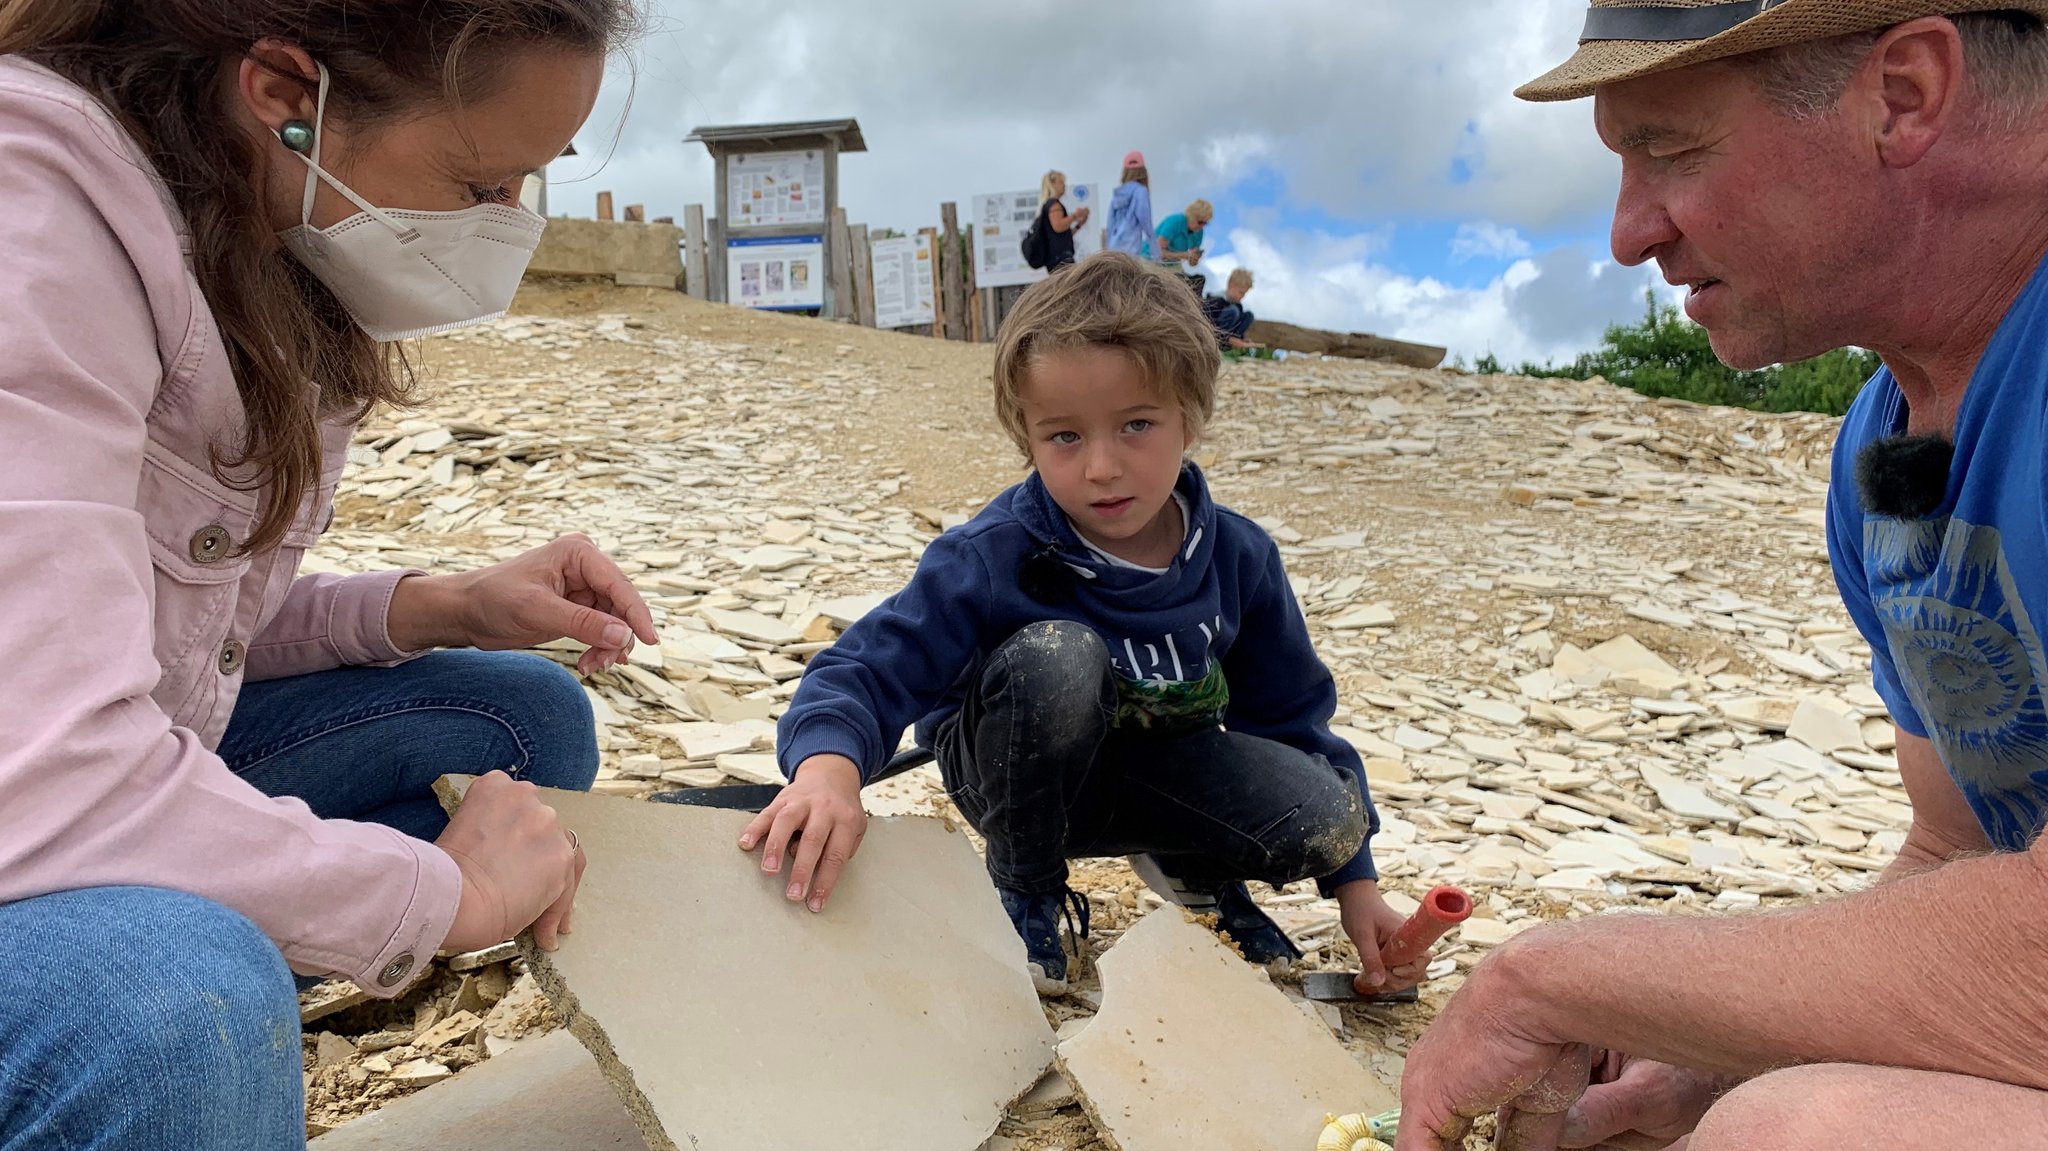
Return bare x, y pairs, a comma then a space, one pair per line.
820, 809
1370, 923
564, 589
519, 868
1481, 1057
1639, 1104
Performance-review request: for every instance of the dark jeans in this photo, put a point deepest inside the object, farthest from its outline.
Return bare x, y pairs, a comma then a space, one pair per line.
1033, 763
1233, 320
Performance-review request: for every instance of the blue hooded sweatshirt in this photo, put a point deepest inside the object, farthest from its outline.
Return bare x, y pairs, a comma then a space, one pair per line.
1223, 612
1130, 220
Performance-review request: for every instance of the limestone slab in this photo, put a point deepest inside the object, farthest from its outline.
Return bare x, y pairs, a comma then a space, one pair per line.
1764, 712
1192, 1051
1827, 725
1626, 653
752, 625
1685, 799
752, 768
544, 1094
1370, 615
1487, 749
899, 1019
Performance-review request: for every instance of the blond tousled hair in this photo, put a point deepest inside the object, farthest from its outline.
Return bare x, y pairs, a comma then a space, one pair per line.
1046, 182
1111, 300
1202, 208
1240, 276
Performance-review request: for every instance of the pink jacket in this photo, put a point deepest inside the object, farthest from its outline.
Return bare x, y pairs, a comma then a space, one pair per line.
128, 622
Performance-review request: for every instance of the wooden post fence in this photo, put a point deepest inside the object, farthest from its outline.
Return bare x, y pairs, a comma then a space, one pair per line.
839, 278
696, 270
863, 274
952, 277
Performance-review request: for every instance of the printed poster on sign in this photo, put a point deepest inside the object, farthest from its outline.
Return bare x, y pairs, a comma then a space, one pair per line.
766, 189
1000, 221
904, 294
776, 273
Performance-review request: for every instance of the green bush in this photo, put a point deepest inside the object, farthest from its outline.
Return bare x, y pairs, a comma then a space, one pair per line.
1668, 355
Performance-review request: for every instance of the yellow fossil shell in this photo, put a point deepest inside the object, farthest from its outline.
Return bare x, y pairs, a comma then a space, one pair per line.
1349, 1133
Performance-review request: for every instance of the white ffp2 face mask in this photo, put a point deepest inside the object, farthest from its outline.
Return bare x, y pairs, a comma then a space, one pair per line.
403, 274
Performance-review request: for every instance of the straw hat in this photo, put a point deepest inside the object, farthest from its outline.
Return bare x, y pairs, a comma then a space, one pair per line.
1624, 39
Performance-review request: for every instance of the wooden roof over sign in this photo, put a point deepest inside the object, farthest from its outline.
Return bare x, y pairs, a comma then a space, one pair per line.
845, 132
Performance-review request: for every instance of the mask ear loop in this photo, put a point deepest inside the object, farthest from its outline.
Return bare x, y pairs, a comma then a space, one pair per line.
406, 234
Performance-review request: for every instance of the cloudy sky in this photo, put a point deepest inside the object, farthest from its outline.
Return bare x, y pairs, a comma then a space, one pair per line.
1366, 157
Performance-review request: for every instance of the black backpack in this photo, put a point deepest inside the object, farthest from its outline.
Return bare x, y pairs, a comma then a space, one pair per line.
1037, 245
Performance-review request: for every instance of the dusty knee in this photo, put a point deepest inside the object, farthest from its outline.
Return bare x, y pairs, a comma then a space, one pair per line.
1059, 650
1797, 1109
1321, 835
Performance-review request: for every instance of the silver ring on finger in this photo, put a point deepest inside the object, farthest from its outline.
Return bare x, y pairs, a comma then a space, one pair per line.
575, 847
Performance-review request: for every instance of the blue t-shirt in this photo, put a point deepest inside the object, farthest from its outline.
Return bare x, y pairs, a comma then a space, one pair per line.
1175, 236
1949, 604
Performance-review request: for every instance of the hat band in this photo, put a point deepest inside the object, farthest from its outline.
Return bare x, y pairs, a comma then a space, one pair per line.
1664, 22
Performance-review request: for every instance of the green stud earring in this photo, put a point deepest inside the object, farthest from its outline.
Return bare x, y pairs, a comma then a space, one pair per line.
297, 135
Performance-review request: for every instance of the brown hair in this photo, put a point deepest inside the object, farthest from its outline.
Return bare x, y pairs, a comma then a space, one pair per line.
1239, 276
161, 67
1137, 173
1111, 300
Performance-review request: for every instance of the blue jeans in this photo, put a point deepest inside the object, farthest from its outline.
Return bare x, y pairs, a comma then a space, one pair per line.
368, 743
1234, 320
135, 1017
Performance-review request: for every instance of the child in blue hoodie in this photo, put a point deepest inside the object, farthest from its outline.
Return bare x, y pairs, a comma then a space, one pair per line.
1104, 661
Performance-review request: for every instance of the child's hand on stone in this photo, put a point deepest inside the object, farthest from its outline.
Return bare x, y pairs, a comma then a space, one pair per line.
820, 811
1371, 923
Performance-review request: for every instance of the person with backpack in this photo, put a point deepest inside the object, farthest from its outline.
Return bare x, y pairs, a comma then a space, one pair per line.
1130, 210
1050, 242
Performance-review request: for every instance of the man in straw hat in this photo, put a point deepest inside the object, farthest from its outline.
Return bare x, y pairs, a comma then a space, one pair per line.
1821, 173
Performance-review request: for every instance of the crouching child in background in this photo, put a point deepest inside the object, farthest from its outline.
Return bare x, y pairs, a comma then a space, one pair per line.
1104, 661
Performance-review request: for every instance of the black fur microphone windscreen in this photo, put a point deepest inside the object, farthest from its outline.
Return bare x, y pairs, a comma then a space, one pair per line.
1904, 477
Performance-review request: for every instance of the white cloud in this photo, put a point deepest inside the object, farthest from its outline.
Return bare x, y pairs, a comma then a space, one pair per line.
959, 99
1230, 158
1489, 241
1548, 307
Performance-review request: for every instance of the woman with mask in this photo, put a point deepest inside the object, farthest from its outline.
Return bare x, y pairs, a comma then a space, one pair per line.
215, 772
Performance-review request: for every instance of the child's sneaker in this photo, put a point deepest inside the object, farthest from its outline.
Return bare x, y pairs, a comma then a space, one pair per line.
1261, 939
1037, 919
1256, 935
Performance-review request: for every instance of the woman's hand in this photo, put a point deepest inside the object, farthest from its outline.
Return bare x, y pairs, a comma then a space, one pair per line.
821, 809
519, 867
564, 589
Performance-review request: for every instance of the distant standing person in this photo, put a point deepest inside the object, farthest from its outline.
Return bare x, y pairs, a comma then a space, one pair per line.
1232, 320
1130, 210
1054, 222
1180, 241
